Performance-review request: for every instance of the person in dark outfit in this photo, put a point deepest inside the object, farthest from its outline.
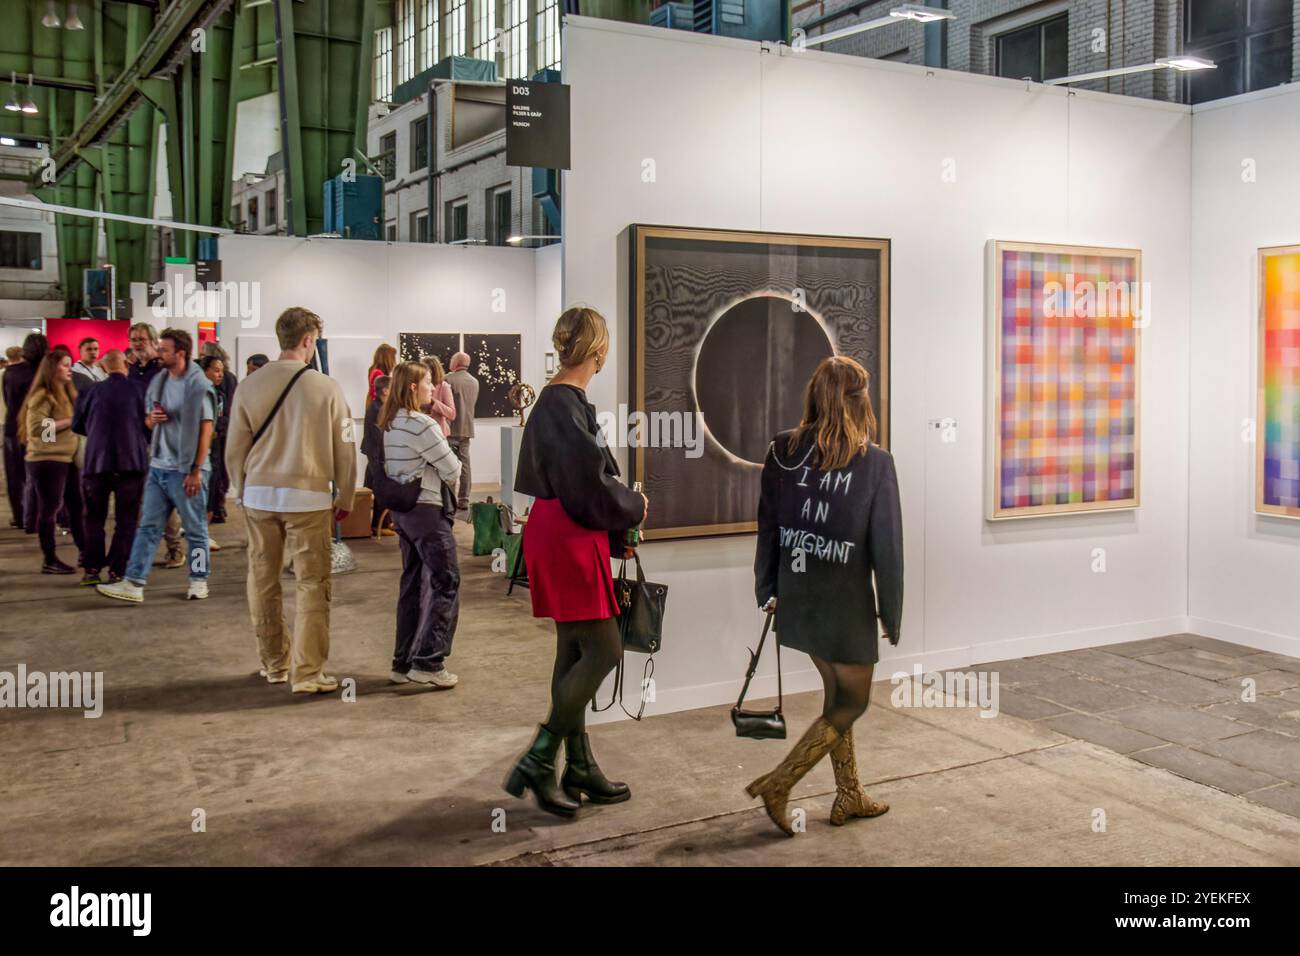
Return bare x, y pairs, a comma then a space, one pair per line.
225, 384
51, 448
581, 509
372, 446
142, 362
17, 382
111, 416
828, 519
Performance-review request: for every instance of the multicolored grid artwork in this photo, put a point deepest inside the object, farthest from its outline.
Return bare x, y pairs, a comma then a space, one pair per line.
1277, 483
1066, 329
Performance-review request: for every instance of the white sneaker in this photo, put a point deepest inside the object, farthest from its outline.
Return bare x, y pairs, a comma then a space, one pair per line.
213, 546
279, 678
397, 677
442, 679
123, 590
320, 684
198, 590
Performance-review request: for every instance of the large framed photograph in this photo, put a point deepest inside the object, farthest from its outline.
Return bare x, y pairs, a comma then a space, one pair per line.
1064, 348
726, 328
1277, 420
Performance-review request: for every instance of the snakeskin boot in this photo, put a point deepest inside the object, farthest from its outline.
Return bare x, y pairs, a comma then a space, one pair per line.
775, 787
850, 799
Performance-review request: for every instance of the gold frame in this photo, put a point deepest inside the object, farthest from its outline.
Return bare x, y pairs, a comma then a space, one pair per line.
639, 233
1274, 511
993, 344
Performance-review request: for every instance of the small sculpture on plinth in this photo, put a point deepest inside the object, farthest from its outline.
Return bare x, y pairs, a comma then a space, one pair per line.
521, 395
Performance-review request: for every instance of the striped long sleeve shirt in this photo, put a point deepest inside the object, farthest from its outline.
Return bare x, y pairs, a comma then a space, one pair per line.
414, 443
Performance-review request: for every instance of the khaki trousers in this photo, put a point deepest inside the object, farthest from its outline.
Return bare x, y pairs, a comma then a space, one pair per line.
305, 537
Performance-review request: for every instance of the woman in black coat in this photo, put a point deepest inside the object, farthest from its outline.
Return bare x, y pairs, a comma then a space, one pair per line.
581, 511
828, 519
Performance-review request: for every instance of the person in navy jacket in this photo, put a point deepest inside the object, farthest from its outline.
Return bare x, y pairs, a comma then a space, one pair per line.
111, 416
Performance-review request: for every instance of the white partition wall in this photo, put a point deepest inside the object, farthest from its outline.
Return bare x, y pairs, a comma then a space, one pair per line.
1244, 567
368, 292
682, 129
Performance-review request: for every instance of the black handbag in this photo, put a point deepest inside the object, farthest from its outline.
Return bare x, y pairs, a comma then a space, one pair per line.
765, 724
399, 496
641, 605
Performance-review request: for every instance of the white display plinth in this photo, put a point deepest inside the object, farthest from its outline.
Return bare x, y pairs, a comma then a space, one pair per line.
512, 437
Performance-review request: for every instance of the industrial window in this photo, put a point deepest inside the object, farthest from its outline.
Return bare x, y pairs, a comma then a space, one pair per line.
1040, 51
428, 40
419, 227
501, 215
404, 20
485, 29
383, 66
390, 232
514, 39
20, 250
272, 208
456, 27
547, 55
457, 220
388, 156
252, 214
419, 143
1249, 42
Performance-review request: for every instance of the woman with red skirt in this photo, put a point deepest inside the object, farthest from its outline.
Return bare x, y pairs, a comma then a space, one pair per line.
580, 511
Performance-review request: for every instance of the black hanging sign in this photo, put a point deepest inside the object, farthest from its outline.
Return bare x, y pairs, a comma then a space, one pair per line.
537, 124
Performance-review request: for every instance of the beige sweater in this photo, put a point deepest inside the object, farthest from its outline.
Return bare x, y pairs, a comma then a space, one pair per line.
40, 408
310, 442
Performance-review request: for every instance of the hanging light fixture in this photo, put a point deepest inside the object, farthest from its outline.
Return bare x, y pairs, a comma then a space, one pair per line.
73, 22
12, 104
51, 18
29, 104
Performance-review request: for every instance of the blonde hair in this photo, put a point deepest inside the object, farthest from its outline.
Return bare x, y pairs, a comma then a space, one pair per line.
579, 334
400, 394
837, 410
293, 323
434, 364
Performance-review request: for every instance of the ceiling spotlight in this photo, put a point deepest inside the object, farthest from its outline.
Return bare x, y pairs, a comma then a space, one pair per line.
12, 104
51, 18
73, 22
29, 104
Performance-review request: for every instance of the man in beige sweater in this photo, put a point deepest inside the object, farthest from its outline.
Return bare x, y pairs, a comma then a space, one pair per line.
283, 478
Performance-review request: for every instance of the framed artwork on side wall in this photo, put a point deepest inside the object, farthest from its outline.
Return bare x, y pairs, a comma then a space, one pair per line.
726, 330
1277, 419
1064, 344
495, 359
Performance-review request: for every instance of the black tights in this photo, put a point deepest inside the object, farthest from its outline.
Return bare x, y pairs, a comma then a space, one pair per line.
848, 692
586, 651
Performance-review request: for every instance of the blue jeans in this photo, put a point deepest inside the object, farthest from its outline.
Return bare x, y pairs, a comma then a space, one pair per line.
163, 491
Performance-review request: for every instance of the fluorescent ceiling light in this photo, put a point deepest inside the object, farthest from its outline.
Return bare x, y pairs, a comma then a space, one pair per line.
1186, 64
919, 13
907, 11
516, 240
1183, 64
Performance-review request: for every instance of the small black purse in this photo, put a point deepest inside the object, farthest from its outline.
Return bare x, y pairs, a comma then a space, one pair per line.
641, 605
765, 724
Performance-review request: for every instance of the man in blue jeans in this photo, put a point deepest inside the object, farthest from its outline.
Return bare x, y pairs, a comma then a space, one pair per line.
180, 408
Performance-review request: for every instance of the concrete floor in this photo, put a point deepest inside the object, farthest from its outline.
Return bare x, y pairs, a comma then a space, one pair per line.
1148, 738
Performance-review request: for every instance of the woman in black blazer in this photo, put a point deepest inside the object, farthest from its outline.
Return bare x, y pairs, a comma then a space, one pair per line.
828, 520
580, 514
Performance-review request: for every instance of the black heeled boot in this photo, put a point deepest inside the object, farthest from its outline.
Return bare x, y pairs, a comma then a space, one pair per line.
535, 771
582, 776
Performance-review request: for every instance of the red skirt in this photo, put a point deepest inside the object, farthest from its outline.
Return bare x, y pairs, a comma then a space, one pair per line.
568, 566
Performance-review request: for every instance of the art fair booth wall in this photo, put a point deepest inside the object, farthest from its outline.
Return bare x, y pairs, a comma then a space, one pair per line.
371, 292
678, 129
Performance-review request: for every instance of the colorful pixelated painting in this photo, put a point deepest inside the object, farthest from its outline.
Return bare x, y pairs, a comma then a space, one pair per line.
1066, 325
1277, 483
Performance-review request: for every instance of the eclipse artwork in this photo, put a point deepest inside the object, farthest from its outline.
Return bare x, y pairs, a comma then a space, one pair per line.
726, 329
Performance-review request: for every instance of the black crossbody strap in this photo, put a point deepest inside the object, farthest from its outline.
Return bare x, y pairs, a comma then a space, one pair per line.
278, 402
753, 665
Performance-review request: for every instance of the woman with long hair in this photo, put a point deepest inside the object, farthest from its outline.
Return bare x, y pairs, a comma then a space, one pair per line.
442, 407
382, 364
581, 511
428, 600
829, 519
51, 449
